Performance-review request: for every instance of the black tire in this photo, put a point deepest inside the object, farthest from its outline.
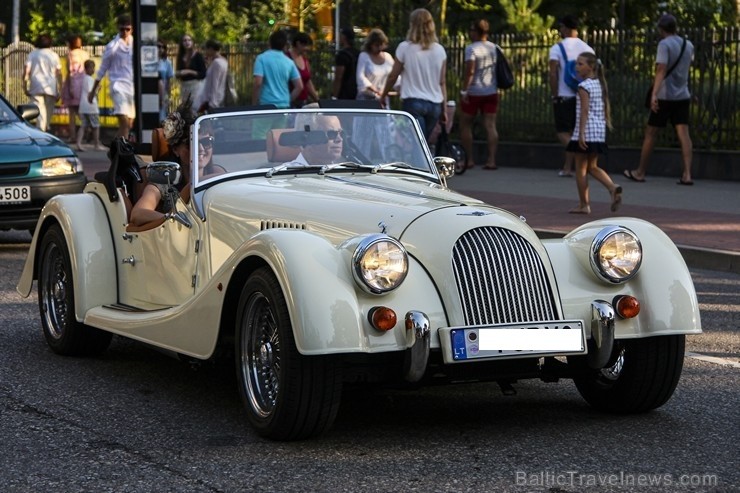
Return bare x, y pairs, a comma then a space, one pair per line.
641, 375
457, 152
63, 333
287, 396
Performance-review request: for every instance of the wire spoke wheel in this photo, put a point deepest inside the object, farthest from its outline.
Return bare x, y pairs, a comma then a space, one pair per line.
63, 333
287, 396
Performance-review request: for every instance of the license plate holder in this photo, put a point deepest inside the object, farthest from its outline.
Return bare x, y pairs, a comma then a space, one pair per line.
520, 340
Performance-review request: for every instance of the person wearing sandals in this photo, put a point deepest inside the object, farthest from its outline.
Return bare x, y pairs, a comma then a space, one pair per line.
589, 133
670, 99
479, 92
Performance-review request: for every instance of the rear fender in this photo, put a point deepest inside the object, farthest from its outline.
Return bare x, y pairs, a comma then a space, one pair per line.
87, 231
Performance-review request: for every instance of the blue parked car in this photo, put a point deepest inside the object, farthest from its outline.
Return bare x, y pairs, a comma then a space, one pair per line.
34, 166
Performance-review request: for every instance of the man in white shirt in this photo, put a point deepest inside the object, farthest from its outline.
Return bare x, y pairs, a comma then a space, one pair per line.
42, 80
214, 89
118, 63
322, 153
563, 97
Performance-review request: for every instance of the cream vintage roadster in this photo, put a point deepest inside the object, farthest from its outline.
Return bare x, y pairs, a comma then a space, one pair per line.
329, 249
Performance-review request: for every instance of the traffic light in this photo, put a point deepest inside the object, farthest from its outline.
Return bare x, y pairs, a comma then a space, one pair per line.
271, 22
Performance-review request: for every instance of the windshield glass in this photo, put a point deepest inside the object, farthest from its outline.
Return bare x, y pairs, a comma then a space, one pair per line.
323, 140
6, 113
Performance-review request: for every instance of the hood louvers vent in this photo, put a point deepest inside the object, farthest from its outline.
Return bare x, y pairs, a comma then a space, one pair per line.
280, 225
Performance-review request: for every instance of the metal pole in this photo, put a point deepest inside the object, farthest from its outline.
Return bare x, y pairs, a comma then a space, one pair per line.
15, 37
336, 24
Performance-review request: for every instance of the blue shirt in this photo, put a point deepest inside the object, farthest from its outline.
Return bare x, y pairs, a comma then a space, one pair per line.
164, 69
276, 70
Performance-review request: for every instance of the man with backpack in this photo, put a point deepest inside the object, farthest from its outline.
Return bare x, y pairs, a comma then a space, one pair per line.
563, 83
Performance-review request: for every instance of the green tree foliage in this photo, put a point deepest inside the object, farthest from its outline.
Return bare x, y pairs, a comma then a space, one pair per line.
522, 16
203, 19
60, 24
230, 21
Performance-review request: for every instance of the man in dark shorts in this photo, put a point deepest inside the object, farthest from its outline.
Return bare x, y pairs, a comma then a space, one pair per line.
563, 97
670, 99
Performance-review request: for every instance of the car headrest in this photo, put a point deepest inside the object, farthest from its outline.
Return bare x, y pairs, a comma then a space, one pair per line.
277, 153
160, 148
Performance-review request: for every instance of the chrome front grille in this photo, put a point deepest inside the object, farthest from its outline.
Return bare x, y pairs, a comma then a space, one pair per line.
501, 278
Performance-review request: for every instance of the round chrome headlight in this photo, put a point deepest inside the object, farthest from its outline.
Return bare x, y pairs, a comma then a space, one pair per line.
379, 264
616, 254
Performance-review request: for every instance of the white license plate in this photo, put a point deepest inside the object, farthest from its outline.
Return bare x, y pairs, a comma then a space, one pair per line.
15, 195
510, 340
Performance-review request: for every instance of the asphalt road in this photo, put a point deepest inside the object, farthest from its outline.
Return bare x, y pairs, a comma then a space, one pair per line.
136, 420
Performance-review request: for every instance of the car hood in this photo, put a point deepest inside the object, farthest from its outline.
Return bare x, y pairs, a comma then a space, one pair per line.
335, 206
20, 142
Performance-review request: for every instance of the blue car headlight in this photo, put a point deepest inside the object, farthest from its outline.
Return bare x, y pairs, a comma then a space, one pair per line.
59, 166
379, 264
616, 254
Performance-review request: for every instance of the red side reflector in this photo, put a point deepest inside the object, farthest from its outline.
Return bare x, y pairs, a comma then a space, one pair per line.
627, 306
382, 318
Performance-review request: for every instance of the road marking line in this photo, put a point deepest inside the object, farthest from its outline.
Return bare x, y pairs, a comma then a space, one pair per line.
713, 359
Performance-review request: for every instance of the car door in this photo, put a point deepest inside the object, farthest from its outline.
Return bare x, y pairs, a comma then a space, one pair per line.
157, 266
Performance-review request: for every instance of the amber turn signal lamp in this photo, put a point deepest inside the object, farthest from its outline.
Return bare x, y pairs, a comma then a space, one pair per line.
627, 306
382, 318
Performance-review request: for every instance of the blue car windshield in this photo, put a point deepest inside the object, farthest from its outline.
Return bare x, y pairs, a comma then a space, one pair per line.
6, 112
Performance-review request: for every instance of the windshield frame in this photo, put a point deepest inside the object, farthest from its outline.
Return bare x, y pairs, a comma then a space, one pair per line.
212, 120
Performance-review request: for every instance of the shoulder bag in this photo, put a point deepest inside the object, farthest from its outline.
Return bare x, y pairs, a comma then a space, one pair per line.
649, 95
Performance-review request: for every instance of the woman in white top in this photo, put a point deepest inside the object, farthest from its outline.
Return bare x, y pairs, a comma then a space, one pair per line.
422, 61
374, 65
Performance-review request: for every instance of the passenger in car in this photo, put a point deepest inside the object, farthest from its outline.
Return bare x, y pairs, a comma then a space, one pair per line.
323, 153
152, 205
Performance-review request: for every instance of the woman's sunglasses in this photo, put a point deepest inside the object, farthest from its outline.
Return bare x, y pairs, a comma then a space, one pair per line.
206, 142
334, 134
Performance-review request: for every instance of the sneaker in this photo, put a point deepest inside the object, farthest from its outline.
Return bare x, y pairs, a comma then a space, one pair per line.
564, 174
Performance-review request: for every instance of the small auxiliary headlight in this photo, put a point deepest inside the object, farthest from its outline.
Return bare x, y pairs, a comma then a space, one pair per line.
379, 264
616, 254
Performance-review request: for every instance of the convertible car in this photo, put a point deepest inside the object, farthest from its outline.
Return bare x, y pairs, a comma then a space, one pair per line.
316, 257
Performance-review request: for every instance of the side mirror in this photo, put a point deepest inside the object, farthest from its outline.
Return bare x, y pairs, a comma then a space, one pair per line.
164, 173
28, 111
445, 166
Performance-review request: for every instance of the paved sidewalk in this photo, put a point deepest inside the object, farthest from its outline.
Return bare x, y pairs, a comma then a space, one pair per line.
703, 220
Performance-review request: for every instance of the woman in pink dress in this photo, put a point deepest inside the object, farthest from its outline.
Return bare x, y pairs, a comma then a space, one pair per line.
72, 88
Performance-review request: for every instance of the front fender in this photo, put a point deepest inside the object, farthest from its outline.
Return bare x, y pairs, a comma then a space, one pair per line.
86, 229
328, 311
663, 284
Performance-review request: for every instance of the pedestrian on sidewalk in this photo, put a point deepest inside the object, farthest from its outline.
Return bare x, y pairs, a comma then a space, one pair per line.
479, 92
422, 62
190, 69
589, 133
72, 88
89, 111
214, 90
164, 83
118, 64
563, 96
302, 46
344, 85
670, 99
42, 80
